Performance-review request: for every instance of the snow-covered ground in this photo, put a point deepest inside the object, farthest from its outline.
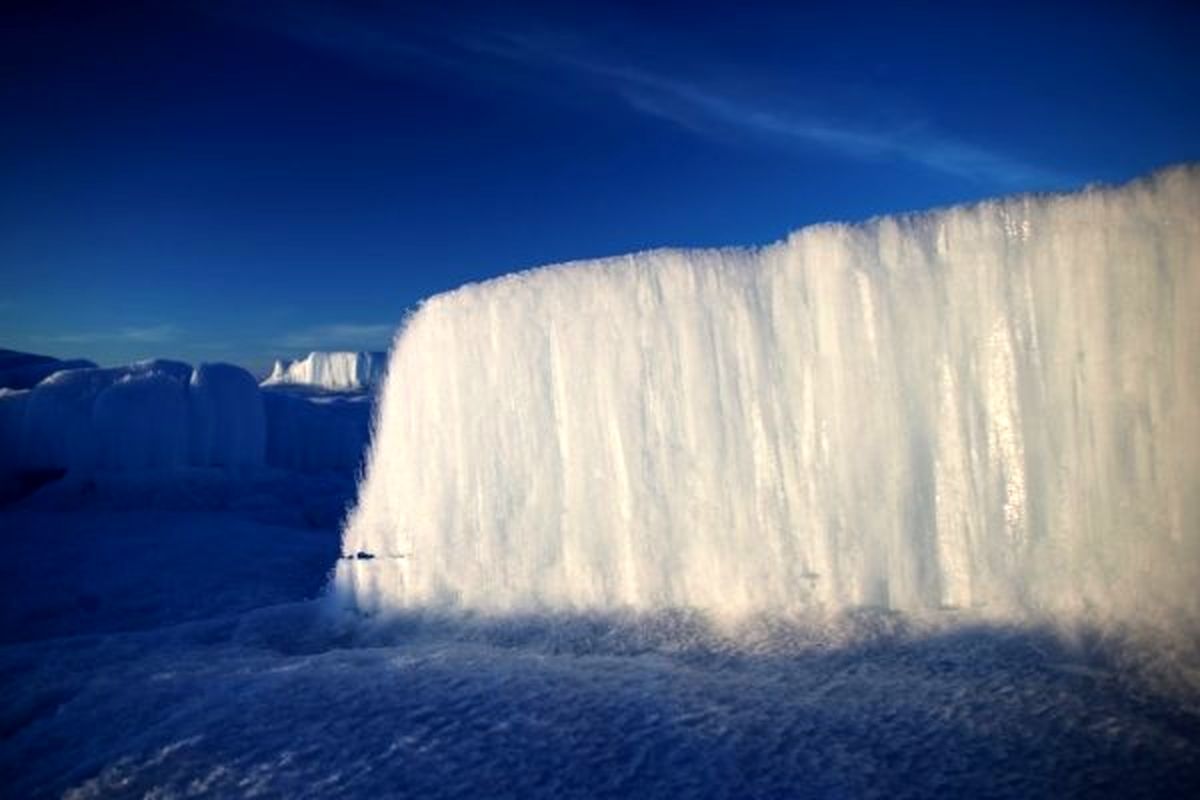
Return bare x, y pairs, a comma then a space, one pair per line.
174, 653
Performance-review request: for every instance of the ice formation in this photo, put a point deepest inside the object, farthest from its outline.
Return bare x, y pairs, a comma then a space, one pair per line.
26, 370
152, 415
991, 407
141, 422
12, 425
157, 416
228, 422
333, 371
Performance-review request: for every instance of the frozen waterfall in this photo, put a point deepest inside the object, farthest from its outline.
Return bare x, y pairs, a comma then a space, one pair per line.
991, 407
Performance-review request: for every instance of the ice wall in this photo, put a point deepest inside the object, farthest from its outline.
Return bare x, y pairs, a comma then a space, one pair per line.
152, 415
993, 407
158, 416
334, 371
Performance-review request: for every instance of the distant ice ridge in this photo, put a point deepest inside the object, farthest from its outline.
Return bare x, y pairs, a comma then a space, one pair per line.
334, 371
152, 415
992, 407
25, 370
157, 416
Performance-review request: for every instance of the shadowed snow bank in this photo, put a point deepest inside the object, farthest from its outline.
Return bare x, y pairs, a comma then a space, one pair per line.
286, 701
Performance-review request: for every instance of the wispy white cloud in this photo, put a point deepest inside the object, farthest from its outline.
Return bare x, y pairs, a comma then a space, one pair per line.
339, 334
153, 334
395, 44
708, 111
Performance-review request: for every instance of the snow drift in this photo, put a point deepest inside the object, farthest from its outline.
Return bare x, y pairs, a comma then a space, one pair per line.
991, 407
152, 415
333, 371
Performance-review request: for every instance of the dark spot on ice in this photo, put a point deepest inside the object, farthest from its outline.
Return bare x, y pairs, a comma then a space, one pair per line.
363, 555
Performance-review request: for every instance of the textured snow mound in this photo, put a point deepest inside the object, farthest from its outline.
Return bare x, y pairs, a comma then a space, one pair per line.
992, 407
228, 421
163, 415
12, 425
334, 371
141, 422
26, 370
152, 415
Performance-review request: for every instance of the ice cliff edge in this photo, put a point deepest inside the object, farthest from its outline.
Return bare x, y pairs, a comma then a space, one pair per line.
992, 407
334, 371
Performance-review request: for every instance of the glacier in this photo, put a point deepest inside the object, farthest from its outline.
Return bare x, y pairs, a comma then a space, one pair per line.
990, 408
334, 371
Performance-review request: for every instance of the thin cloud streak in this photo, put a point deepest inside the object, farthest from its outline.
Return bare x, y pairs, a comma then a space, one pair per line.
705, 111
697, 108
154, 334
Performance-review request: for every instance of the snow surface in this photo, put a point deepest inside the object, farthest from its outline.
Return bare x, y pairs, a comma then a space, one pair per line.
141, 422
166, 653
337, 371
229, 426
993, 407
152, 415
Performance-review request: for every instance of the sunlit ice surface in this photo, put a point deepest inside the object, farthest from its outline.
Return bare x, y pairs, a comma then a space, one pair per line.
990, 409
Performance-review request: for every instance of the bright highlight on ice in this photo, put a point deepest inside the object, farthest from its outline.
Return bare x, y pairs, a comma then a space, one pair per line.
992, 407
338, 371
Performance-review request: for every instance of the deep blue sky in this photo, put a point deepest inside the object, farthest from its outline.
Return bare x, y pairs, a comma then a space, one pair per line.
239, 181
